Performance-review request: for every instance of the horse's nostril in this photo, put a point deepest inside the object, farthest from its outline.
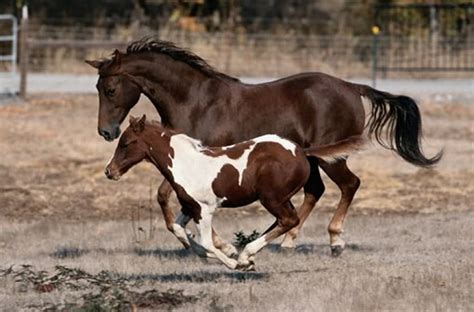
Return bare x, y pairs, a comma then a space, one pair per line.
107, 172
105, 134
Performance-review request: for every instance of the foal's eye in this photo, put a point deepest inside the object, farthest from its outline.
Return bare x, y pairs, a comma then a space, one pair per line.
110, 92
128, 143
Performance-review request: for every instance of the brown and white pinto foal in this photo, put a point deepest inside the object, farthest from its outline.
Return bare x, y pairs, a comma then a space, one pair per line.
267, 168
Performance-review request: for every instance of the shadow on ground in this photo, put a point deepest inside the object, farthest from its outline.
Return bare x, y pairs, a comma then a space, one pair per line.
315, 249
200, 277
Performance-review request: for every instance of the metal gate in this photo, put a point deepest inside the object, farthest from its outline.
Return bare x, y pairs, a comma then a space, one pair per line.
8, 54
424, 37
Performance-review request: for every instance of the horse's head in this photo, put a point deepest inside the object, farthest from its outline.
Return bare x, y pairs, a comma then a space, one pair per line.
117, 95
130, 150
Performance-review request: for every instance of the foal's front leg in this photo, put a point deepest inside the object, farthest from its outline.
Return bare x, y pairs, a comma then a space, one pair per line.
178, 228
164, 192
204, 227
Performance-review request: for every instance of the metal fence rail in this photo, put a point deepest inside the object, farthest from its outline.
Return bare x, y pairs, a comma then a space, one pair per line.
424, 38
8, 42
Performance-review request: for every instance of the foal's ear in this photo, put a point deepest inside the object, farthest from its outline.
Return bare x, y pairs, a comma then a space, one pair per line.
137, 124
95, 63
132, 120
117, 57
142, 121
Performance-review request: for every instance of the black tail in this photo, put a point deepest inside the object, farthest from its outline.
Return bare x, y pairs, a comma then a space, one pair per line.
396, 123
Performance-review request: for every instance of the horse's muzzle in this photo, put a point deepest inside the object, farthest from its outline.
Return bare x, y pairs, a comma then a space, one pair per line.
110, 135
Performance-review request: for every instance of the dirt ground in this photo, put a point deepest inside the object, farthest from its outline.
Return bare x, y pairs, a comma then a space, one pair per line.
409, 230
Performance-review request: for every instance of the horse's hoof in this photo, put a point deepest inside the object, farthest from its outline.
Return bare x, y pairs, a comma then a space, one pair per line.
336, 251
288, 243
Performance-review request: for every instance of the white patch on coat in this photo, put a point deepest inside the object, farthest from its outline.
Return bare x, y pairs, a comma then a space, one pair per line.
288, 145
195, 171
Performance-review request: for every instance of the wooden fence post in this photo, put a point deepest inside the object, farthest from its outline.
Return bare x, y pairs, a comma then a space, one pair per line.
24, 51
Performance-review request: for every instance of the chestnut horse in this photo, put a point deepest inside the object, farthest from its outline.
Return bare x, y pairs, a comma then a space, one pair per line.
267, 168
309, 109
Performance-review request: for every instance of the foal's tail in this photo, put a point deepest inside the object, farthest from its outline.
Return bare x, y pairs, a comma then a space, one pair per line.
396, 123
338, 150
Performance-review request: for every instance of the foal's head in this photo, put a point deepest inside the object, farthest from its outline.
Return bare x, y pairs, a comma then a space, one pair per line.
118, 93
130, 150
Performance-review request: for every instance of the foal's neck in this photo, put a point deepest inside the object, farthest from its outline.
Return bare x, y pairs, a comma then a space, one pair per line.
164, 145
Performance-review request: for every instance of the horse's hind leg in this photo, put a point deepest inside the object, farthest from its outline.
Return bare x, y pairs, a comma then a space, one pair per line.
348, 183
313, 190
287, 218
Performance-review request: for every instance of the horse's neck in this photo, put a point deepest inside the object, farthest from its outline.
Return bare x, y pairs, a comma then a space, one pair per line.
175, 89
168, 84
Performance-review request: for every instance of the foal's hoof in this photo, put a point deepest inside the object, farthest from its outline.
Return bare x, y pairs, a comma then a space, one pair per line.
336, 251
230, 251
246, 267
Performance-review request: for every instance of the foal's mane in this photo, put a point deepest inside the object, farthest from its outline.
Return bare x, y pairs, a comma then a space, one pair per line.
179, 54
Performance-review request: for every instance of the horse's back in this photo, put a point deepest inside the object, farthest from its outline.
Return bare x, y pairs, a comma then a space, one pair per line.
308, 108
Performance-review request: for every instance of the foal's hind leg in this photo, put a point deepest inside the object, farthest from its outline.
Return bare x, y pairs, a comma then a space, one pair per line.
348, 183
227, 248
287, 218
313, 190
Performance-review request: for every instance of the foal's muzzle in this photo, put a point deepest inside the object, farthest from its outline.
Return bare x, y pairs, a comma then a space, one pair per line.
110, 175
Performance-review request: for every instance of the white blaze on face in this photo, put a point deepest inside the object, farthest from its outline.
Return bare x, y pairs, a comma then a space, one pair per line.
195, 171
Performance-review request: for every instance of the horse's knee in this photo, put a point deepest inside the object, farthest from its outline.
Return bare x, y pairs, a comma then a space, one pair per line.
351, 185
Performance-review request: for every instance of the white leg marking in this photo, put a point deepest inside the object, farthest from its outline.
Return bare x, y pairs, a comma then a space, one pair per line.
179, 229
205, 232
251, 249
336, 240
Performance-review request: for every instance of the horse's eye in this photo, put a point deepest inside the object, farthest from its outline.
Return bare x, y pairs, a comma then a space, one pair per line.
110, 92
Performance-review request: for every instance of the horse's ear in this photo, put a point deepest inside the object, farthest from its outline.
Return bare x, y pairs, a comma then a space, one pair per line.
95, 63
132, 120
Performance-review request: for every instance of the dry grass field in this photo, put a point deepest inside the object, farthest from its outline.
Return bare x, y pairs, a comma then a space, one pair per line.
409, 232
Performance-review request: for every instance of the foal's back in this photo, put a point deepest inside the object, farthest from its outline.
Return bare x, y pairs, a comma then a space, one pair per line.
236, 175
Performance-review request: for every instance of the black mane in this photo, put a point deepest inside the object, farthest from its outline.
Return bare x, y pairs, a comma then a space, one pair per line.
177, 53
